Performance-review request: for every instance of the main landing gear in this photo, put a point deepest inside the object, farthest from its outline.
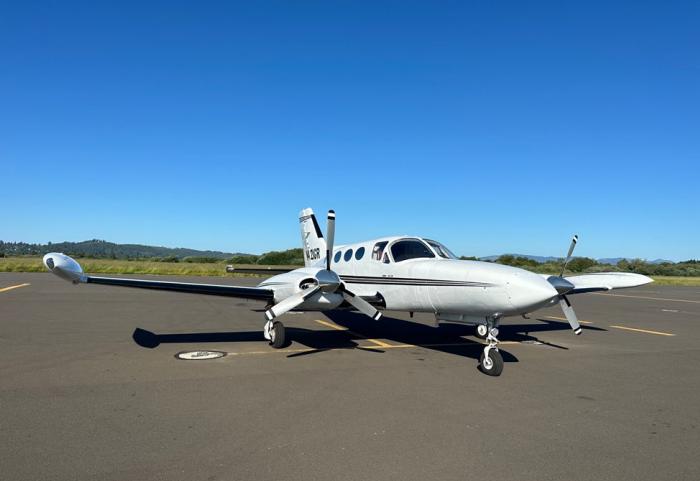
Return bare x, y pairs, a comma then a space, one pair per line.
274, 332
491, 361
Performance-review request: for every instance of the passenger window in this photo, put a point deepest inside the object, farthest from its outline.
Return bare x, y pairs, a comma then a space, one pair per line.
348, 255
360, 253
409, 249
378, 250
337, 257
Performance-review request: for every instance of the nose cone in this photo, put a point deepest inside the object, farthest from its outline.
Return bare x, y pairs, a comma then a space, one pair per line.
64, 267
528, 291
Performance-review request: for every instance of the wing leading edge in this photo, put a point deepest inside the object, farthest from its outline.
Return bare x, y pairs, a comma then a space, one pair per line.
605, 281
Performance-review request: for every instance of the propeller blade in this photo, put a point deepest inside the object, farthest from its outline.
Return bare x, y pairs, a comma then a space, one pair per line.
574, 240
290, 303
330, 238
360, 304
570, 314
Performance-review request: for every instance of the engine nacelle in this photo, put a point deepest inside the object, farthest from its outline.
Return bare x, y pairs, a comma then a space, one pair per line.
298, 280
64, 267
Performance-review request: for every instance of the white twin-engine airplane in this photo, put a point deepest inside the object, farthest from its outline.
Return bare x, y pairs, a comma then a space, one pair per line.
410, 274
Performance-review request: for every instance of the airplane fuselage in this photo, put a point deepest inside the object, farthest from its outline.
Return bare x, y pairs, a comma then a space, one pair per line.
440, 284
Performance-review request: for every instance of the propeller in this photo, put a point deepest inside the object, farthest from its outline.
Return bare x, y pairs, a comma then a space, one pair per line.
360, 304
330, 238
574, 240
570, 314
289, 303
326, 281
563, 287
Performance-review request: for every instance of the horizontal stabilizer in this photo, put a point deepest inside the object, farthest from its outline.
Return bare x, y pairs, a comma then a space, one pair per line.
605, 281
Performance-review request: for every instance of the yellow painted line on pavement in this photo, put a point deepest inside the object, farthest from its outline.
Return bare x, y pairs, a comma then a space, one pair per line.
386, 346
271, 351
335, 326
379, 343
15, 287
332, 325
565, 319
645, 331
646, 297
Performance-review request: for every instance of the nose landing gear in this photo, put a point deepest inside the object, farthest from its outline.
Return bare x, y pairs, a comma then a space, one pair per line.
491, 361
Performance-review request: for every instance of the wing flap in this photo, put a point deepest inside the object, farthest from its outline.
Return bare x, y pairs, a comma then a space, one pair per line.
255, 293
605, 281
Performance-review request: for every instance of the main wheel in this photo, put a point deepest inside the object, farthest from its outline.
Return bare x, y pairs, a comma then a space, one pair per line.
278, 336
491, 365
481, 331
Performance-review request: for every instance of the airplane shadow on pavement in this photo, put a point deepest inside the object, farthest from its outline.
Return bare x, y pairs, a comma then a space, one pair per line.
447, 338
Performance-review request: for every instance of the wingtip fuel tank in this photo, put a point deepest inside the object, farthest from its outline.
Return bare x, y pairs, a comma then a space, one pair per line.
64, 267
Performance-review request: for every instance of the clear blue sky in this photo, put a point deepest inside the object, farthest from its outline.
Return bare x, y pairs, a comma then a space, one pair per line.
492, 126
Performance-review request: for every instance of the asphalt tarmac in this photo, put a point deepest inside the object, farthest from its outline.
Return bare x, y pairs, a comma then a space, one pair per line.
90, 388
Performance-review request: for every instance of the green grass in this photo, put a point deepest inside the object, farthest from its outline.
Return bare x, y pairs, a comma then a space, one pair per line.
110, 266
676, 281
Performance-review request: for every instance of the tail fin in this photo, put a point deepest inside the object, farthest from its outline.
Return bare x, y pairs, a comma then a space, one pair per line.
312, 241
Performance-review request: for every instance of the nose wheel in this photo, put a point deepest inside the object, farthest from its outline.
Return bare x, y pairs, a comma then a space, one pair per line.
491, 361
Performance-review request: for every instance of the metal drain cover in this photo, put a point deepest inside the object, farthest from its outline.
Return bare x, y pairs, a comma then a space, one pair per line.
199, 355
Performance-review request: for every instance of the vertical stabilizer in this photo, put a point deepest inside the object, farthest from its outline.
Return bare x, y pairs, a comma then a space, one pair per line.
312, 241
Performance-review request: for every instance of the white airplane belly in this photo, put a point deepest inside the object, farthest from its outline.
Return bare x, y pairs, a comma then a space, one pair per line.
481, 301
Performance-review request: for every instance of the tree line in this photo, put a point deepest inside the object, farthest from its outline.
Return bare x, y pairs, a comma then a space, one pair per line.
689, 268
99, 249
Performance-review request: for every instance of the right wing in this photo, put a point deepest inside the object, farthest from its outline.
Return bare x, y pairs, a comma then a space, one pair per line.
605, 281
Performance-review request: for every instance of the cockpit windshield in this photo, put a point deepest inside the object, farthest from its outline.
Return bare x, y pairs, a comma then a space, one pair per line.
441, 250
409, 249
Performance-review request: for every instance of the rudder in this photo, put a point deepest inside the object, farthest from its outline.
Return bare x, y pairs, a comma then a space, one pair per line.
312, 242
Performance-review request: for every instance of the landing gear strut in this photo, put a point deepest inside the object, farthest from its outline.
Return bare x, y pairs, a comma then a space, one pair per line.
491, 362
274, 332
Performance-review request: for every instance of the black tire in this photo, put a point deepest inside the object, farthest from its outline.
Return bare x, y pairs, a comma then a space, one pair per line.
279, 337
481, 336
495, 366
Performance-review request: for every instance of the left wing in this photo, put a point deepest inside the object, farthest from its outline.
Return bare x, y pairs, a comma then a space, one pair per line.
605, 281
67, 268
256, 293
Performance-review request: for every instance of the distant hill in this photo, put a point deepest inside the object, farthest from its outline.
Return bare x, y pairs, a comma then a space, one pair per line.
540, 259
103, 249
604, 260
